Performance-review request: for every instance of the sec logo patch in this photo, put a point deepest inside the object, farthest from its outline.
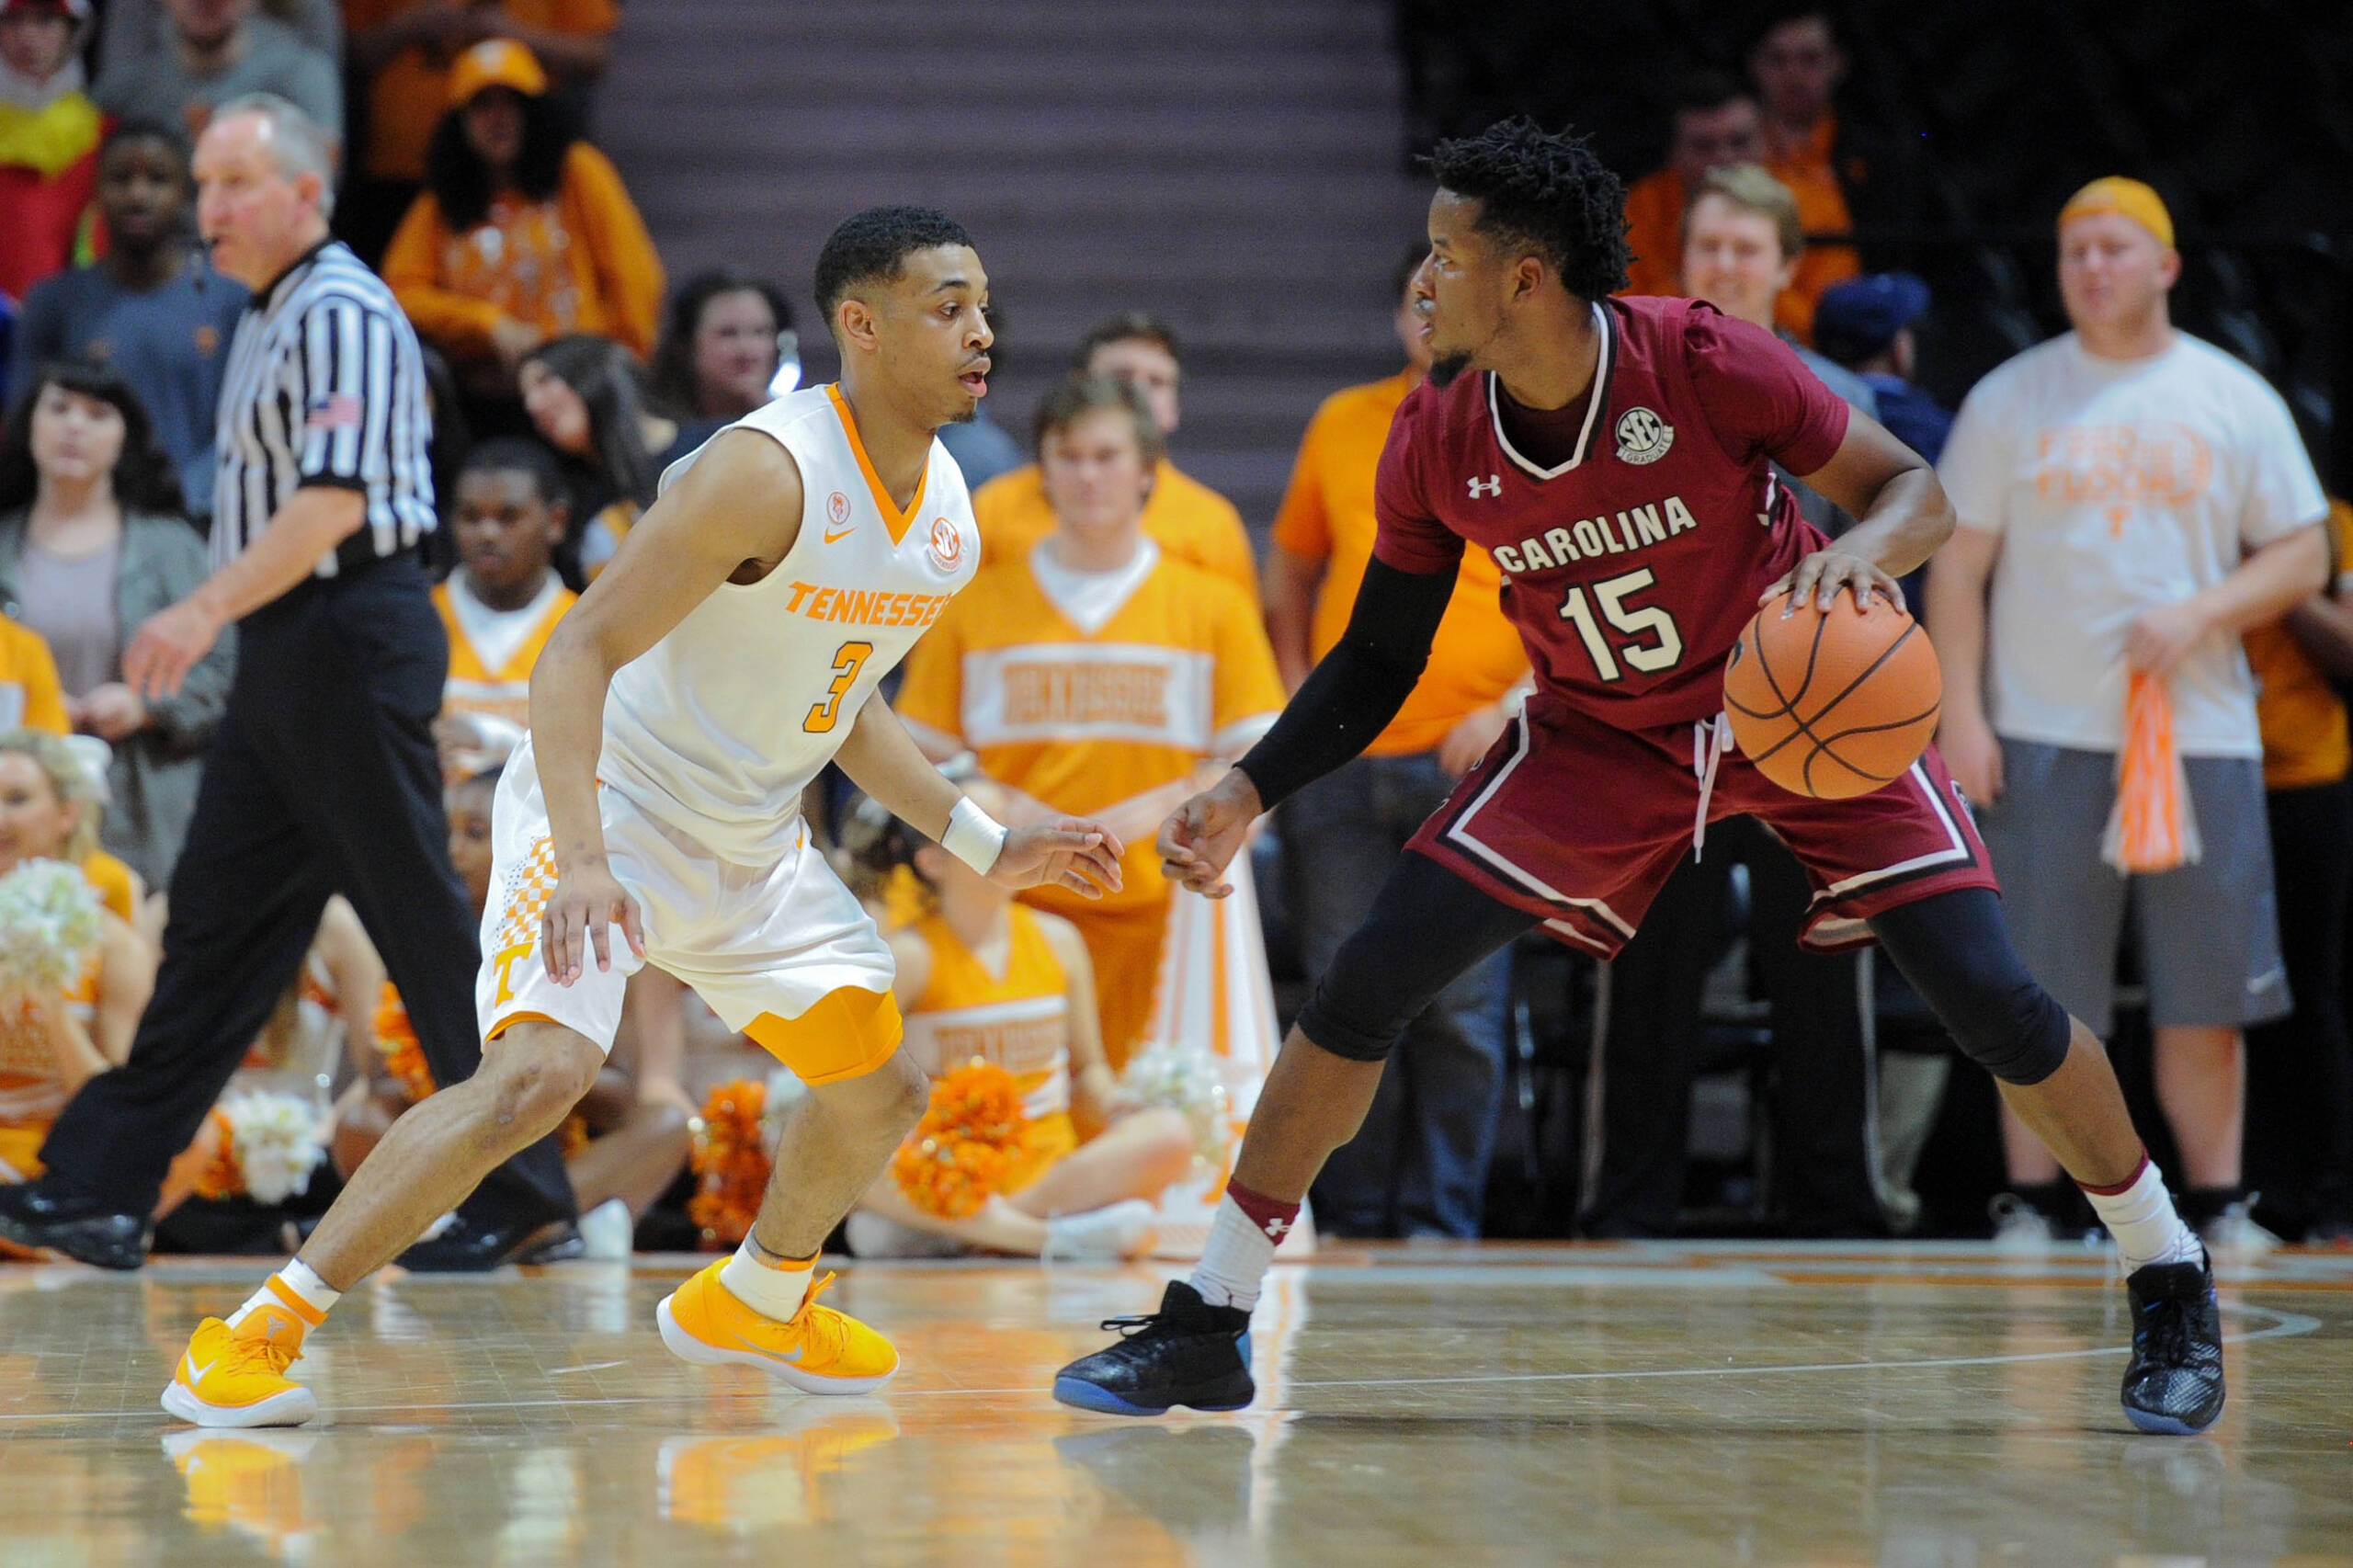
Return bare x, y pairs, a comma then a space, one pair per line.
837, 508
947, 544
1642, 437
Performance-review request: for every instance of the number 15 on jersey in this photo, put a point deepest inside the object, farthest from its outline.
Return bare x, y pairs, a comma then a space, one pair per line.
1658, 645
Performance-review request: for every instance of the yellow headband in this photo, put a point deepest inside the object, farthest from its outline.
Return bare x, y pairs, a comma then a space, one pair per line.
2125, 197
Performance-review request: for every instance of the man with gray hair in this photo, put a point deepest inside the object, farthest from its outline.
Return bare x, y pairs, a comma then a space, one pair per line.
323, 776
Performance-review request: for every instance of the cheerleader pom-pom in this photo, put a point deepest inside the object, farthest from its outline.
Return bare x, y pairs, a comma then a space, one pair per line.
50, 924
1184, 1079
730, 1160
396, 1041
967, 1143
269, 1146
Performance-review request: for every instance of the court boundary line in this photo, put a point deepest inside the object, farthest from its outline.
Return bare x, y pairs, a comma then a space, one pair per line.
2289, 1325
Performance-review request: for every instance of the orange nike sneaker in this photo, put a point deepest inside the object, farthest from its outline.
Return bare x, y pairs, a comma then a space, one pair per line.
817, 1349
237, 1376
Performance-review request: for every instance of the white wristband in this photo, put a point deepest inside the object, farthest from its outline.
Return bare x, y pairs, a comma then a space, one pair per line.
974, 836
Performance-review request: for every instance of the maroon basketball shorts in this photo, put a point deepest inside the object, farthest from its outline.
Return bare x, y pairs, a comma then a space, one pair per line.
1579, 824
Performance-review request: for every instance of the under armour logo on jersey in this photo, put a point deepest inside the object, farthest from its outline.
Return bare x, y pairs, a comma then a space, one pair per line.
1493, 485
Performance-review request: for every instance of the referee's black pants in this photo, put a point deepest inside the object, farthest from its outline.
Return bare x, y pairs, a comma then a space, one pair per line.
322, 778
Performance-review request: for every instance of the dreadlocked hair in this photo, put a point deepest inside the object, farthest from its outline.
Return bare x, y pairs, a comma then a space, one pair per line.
1549, 192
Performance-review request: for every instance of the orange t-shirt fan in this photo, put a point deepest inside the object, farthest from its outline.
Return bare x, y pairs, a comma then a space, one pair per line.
1832, 705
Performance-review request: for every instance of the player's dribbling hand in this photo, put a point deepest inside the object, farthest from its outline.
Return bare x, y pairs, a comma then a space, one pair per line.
587, 903
1064, 852
1825, 574
1200, 839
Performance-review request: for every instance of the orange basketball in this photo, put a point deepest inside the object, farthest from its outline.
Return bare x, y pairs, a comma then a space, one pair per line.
1832, 705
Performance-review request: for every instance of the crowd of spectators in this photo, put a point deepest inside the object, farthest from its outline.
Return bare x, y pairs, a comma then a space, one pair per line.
1126, 639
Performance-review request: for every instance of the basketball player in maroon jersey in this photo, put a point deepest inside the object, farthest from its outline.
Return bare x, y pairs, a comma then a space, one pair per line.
1615, 457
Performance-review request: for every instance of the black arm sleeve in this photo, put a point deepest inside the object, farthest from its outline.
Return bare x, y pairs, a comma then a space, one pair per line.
1358, 687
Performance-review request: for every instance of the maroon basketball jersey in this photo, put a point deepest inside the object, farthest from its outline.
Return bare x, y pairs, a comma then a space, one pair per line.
1631, 568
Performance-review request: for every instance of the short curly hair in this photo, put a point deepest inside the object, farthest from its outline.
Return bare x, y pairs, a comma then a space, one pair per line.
872, 247
1549, 192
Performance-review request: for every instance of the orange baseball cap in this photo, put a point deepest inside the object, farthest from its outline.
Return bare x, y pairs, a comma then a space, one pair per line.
495, 62
2126, 198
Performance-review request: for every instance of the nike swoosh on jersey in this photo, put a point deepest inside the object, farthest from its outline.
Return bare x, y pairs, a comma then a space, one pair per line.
832, 538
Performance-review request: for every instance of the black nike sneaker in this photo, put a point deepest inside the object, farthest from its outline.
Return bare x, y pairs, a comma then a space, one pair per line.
2174, 1383
1187, 1353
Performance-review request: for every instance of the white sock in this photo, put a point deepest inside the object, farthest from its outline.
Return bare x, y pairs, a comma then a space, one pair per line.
295, 1289
771, 1286
1235, 1260
2143, 1221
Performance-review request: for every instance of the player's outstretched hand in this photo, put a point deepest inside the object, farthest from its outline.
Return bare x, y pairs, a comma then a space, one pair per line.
1201, 837
588, 901
1066, 852
1828, 572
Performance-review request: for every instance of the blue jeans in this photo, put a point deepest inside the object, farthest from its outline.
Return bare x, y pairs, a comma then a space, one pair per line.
1418, 1167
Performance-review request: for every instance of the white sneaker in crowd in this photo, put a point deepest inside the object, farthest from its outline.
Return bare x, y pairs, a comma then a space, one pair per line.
2020, 1229
1116, 1230
2232, 1236
606, 1231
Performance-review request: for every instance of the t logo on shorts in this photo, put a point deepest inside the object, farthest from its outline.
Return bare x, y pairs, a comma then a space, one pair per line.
505, 959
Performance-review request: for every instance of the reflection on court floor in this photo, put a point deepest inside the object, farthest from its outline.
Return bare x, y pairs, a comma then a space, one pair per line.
1622, 1403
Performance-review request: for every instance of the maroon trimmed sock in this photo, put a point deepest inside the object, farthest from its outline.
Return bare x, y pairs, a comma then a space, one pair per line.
1273, 1217
2121, 1187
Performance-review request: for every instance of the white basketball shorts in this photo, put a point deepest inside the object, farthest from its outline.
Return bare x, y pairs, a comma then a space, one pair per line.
784, 953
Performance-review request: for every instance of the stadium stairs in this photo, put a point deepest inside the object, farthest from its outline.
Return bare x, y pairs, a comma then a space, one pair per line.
1233, 165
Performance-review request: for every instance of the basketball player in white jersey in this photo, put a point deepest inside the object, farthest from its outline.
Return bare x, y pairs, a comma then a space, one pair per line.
729, 652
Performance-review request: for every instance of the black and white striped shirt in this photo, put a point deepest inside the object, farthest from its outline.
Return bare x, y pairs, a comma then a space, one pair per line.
324, 385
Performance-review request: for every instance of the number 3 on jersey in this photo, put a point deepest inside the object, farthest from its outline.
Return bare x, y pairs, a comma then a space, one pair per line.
848, 659
1647, 658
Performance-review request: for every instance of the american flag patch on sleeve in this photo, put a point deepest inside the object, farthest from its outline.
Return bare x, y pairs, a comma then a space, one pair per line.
341, 412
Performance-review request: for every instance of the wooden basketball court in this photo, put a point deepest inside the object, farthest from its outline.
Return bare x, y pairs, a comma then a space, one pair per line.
1915, 1407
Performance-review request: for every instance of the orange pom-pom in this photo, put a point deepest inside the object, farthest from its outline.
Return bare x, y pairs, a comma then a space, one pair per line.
731, 1163
396, 1040
222, 1176
967, 1144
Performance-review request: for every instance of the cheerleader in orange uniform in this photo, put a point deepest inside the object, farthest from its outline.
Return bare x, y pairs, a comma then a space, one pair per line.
982, 977
50, 1045
1098, 676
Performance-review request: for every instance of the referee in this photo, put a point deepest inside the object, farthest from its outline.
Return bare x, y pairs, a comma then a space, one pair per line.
323, 776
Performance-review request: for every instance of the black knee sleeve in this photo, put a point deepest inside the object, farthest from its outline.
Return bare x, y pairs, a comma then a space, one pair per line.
1426, 926
1363, 1033
1956, 952
2019, 1035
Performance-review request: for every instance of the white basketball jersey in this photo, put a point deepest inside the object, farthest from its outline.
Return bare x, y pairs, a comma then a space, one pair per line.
715, 728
